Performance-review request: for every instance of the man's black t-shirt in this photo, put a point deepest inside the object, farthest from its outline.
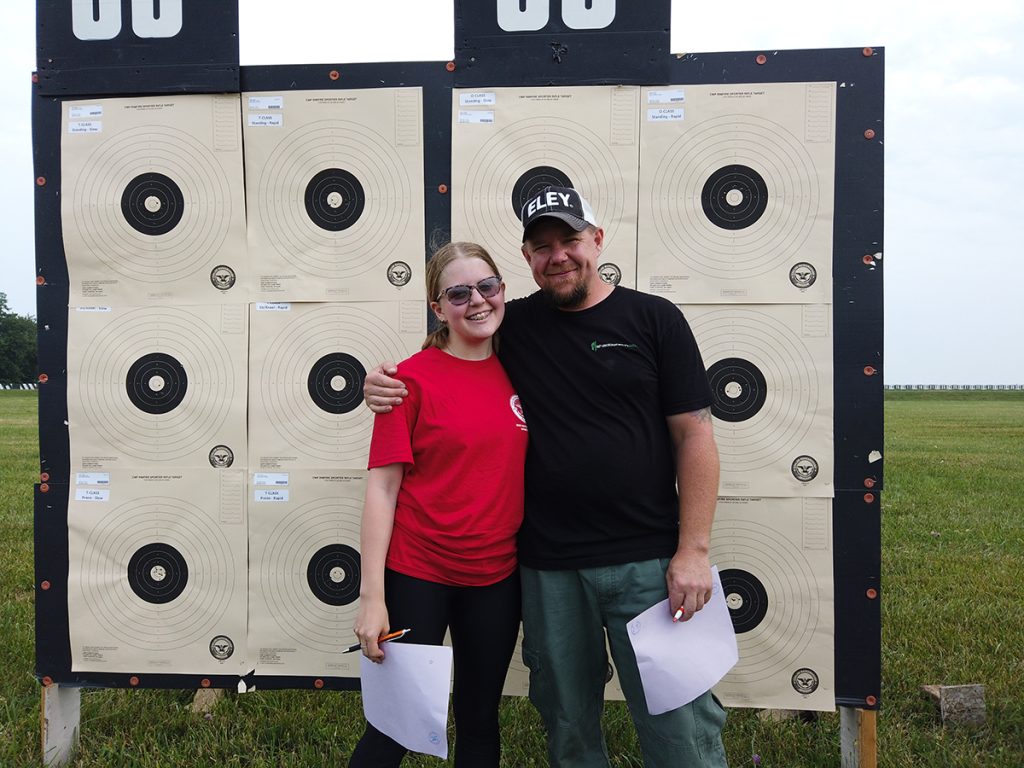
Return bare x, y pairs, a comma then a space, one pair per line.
596, 386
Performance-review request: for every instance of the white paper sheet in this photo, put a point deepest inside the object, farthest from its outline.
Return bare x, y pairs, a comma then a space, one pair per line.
406, 696
678, 661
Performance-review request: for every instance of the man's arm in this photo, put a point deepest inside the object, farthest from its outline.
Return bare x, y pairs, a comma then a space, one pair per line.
380, 391
689, 573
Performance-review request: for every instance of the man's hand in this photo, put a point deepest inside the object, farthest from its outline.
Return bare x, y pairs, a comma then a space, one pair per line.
380, 391
689, 582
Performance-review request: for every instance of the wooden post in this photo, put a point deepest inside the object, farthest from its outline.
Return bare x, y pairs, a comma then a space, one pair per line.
858, 738
59, 717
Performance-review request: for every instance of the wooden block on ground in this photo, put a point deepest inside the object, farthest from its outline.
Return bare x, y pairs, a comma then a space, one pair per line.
958, 704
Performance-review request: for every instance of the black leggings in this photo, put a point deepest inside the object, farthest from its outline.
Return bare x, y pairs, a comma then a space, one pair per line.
484, 624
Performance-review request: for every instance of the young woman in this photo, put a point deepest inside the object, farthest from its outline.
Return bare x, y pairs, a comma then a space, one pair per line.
444, 500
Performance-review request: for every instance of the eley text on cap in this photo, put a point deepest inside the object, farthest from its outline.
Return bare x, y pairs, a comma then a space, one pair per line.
563, 203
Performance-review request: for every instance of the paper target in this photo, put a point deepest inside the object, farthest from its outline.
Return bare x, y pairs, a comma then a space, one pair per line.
152, 200
775, 560
335, 189
309, 363
769, 367
158, 573
510, 143
737, 192
305, 574
157, 386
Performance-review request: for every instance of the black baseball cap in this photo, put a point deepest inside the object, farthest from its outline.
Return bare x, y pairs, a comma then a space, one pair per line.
563, 203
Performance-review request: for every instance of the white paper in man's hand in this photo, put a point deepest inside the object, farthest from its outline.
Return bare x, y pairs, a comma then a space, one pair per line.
678, 661
406, 696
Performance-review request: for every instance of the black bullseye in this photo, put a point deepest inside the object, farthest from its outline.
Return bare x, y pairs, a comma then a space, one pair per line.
156, 383
334, 199
333, 574
152, 204
746, 598
739, 388
734, 197
535, 181
336, 383
157, 573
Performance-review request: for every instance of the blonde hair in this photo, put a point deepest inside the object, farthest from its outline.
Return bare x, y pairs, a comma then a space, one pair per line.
437, 264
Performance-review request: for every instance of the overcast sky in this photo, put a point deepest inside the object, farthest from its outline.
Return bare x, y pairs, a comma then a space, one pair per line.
954, 144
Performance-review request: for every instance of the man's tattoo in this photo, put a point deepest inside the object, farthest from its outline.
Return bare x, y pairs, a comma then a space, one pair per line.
703, 415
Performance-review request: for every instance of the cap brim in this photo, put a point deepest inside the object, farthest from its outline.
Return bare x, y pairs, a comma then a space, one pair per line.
573, 221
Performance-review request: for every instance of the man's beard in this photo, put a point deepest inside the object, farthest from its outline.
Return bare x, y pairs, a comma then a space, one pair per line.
571, 300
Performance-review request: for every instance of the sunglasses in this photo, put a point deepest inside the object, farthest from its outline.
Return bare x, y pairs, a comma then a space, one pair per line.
461, 294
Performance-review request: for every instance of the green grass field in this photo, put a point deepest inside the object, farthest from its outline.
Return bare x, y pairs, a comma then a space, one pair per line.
953, 563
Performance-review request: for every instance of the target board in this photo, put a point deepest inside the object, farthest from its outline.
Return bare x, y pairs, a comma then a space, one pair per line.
157, 576
305, 571
510, 143
335, 194
737, 201
152, 200
769, 367
157, 387
775, 560
308, 365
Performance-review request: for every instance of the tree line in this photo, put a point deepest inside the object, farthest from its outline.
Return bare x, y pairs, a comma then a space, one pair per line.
17, 346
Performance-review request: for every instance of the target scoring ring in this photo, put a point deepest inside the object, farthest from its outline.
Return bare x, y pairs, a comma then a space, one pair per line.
333, 574
335, 383
534, 181
152, 203
334, 199
156, 383
734, 197
157, 573
739, 388
746, 598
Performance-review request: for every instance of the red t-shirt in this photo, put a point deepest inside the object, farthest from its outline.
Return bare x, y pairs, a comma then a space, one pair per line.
462, 435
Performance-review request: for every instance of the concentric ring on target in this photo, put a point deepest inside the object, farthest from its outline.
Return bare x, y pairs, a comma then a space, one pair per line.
334, 199
334, 574
317, 412
157, 573
734, 197
156, 383
310, 571
767, 387
533, 182
770, 588
152, 204
335, 383
745, 597
739, 389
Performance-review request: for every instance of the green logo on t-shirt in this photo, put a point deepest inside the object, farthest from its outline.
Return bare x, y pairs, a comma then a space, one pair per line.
594, 346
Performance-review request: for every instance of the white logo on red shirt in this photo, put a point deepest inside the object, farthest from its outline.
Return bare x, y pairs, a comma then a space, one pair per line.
517, 408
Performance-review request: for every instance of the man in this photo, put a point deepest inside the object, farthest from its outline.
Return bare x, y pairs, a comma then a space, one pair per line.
617, 399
